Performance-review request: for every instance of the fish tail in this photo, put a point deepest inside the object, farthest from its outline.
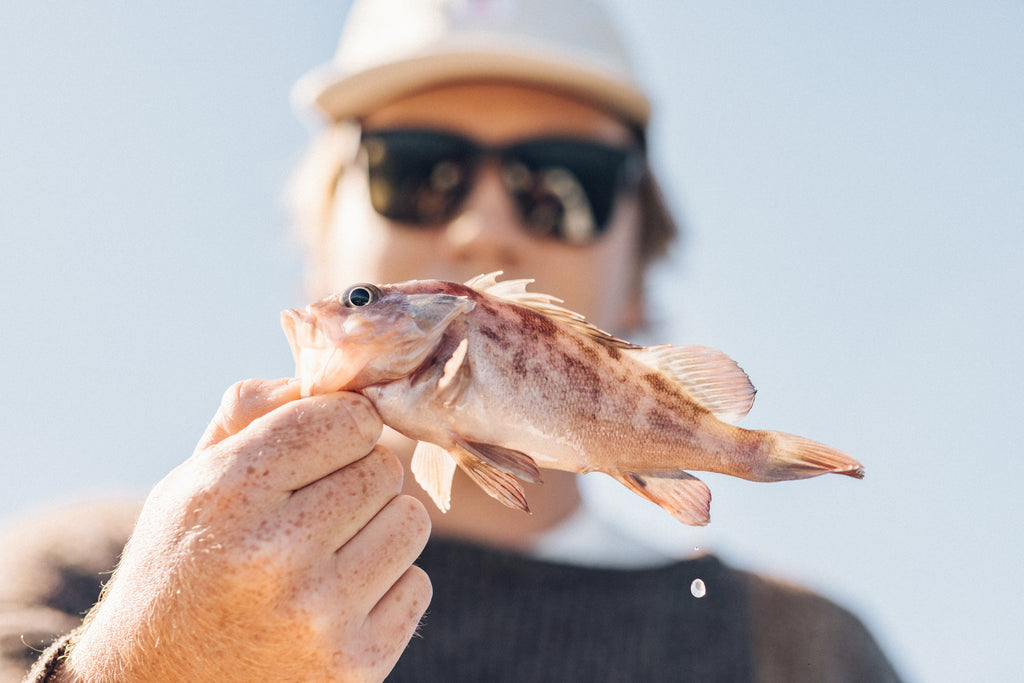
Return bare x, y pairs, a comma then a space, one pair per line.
794, 457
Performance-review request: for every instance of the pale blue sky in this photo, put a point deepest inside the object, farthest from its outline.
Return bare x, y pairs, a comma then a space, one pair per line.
852, 178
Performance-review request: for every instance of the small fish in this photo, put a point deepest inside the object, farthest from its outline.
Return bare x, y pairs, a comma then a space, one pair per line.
502, 382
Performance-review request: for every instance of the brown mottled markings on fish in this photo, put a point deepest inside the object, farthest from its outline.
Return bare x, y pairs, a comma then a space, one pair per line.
453, 288
658, 420
669, 397
589, 352
486, 305
586, 384
496, 336
657, 382
519, 365
631, 399
579, 364
536, 323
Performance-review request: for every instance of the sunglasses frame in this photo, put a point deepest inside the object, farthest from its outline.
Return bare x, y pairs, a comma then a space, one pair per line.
590, 175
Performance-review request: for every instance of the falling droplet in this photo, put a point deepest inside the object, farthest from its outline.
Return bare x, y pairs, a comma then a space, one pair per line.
698, 589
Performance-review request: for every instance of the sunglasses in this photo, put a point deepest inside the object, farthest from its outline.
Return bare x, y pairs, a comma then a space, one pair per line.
563, 188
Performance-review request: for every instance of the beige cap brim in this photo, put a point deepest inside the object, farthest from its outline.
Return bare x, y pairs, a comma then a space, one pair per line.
337, 95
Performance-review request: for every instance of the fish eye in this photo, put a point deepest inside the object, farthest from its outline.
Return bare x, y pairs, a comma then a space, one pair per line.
360, 295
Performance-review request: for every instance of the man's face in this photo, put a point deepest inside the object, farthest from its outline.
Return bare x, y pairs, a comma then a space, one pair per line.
598, 279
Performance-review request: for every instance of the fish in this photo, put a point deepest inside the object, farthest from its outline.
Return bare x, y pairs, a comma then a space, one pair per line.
502, 382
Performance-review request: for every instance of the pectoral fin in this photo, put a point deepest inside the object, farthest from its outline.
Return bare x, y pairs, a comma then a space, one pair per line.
433, 469
683, 495
493, 468
501, 486
456, 375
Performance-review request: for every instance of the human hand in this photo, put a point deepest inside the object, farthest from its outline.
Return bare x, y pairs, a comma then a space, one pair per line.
281, 550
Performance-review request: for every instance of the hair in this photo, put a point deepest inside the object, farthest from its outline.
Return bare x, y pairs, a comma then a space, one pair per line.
311, 194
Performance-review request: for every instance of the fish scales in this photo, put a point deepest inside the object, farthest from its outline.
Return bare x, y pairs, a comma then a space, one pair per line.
594, 384
601, 392
500, 381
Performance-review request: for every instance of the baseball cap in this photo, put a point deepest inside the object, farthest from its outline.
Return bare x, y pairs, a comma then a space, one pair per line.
389, 48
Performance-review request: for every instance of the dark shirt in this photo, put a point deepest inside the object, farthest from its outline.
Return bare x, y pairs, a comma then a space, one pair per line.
502, 617
495, 616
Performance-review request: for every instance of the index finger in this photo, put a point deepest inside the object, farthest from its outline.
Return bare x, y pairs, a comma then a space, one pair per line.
244, 402
304, 440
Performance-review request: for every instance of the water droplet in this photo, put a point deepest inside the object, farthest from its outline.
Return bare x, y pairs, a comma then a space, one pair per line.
698, 589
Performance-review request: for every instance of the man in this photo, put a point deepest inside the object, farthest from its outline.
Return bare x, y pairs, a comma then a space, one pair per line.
283, 549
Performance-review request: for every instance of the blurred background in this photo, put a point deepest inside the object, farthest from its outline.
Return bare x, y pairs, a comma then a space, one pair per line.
852, 183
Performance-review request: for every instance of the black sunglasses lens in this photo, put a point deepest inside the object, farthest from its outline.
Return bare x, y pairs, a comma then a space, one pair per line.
566, 189
417, 177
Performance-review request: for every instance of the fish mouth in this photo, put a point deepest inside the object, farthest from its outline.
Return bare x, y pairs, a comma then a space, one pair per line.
339, 348
320, 364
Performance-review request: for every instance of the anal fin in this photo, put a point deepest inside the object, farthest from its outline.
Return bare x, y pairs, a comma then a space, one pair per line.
683, 495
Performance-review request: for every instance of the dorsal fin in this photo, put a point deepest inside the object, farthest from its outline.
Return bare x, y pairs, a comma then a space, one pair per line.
514, 291
707, 375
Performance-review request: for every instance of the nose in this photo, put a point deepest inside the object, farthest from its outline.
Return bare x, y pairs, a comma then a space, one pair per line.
486, 235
